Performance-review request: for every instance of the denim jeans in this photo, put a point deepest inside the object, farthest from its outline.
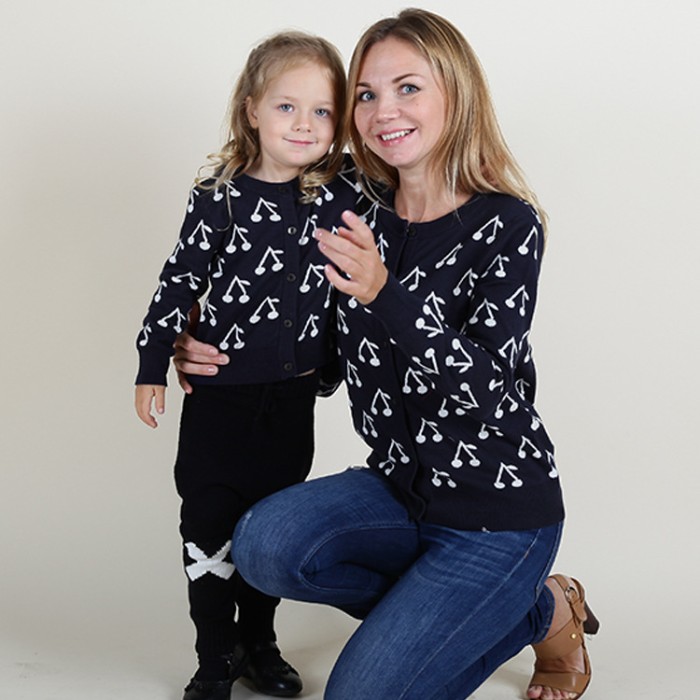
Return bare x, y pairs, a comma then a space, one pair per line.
441, 608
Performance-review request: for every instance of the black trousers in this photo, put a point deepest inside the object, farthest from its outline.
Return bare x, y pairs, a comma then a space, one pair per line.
237, 445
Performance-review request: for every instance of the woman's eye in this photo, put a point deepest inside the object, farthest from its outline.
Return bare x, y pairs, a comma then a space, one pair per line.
365, 96
408, 89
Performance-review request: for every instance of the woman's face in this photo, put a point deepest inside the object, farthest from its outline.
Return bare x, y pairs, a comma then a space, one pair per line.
399, 106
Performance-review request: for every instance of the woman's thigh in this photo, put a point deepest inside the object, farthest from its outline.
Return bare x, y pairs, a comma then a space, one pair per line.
465, 593
342, 540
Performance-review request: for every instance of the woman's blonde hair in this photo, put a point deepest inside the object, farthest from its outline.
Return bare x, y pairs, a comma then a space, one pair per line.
471, 154
279, 53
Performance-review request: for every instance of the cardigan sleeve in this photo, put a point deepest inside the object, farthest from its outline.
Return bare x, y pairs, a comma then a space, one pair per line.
183, 279
472, 361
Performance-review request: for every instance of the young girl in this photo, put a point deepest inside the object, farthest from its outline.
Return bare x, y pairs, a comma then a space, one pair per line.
248, 431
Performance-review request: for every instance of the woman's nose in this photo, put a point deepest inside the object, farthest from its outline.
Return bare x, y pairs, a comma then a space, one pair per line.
385, 108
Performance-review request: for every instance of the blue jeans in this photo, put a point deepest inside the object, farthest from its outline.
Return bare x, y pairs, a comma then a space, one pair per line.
441, 608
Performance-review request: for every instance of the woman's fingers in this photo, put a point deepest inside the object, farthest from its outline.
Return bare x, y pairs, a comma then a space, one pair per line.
339, 282
194, 357
198, 368
191, 347
356, 227
354, 252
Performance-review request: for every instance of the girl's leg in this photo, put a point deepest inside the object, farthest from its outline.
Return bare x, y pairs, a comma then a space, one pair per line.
281, 452
470, 602
210, 504
342, 540
283, 440
237, 444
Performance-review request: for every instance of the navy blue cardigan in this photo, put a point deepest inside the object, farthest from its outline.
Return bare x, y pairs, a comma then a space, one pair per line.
439, 367
269, 305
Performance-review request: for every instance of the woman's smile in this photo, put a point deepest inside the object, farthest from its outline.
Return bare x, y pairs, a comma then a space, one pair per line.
399, 105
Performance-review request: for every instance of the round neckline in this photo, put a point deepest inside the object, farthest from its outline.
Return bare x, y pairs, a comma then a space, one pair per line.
445, 221
254, 182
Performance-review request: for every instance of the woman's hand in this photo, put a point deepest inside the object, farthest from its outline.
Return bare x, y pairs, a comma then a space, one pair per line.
193, 357
354, 252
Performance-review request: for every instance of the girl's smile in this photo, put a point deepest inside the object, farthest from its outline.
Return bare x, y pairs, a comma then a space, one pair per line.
295, 122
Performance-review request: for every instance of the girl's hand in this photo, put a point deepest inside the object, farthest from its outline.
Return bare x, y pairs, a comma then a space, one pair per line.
354, 252
146, 394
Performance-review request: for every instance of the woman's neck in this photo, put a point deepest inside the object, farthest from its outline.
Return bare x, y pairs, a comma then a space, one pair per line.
421, 198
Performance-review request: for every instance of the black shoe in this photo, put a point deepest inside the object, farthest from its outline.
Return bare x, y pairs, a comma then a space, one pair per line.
221, 689
208, 690
269, 673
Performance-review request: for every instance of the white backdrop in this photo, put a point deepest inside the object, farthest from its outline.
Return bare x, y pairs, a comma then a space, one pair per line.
109, 107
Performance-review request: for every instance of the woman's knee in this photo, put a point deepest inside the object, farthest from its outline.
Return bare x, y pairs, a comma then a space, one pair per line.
277, 542
266, 548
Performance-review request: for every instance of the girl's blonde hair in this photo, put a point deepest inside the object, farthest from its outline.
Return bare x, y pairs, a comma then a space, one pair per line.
279, 53
471, 154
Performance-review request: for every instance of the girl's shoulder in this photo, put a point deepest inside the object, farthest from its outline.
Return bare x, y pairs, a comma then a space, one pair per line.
344, 190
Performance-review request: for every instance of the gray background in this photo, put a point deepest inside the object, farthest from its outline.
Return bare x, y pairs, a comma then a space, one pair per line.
108, 109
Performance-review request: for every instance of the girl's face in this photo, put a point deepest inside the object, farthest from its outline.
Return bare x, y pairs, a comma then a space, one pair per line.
295, 121
399, 106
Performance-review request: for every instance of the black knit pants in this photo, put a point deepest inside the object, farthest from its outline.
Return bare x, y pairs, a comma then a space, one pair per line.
237, 445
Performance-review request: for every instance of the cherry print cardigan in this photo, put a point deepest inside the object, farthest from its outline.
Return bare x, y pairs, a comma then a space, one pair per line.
269, 304
439, 367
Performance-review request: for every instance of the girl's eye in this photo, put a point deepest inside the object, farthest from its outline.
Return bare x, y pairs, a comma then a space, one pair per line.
365, 96
285, 108
408, 89
322, 112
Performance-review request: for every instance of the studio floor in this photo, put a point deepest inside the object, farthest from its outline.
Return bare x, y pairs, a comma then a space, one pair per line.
632, 659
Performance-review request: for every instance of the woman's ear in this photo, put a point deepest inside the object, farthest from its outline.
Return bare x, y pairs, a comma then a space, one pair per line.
251, 112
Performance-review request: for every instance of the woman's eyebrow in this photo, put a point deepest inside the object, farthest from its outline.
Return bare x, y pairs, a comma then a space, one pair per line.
397, 79
404, 76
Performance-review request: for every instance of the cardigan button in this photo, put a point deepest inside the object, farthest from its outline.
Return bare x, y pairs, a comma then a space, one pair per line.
411, 231
287, 366
292, 230
287, 323
291, 277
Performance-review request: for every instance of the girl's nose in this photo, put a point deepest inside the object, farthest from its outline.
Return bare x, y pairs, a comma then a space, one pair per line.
302, 123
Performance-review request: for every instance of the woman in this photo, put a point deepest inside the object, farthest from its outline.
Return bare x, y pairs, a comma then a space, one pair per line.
443, 546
